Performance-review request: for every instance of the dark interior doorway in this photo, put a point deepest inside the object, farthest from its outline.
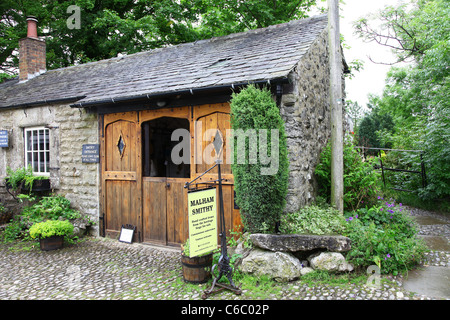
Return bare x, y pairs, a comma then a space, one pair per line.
157, 148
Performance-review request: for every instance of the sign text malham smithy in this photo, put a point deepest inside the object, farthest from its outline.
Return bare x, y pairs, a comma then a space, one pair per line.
202, 221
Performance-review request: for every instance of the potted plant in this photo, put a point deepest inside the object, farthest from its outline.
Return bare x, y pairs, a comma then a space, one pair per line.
14, 179
195, 269
51, 233
36, 184
23, 180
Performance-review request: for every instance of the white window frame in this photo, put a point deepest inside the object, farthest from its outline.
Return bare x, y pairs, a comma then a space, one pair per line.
29, 150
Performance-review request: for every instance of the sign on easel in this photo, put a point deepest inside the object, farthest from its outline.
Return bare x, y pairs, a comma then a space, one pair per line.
202, 210
126, 233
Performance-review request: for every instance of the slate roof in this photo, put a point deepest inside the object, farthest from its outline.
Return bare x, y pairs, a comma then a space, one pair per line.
261, 54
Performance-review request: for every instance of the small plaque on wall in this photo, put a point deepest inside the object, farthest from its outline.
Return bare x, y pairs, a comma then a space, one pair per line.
90, 153
4, 141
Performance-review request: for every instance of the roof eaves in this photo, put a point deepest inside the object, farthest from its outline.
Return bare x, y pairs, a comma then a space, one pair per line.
193, 91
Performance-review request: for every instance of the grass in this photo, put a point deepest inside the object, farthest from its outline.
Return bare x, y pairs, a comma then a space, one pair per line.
318, 277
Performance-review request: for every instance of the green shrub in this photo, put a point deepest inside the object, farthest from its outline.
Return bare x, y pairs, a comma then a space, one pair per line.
14, 230
47, 208
313, 220
261, 197
52, 207
51, 228
386, 235
361, 181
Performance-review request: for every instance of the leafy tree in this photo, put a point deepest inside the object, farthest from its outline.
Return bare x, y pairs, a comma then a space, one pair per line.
354, 111
221, 17
416, 96
409, 32
361, 182
370, 125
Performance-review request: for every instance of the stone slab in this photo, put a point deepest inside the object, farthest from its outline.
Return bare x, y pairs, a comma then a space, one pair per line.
300, 242
431, 281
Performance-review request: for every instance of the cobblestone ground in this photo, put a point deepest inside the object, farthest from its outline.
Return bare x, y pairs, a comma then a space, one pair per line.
99, 269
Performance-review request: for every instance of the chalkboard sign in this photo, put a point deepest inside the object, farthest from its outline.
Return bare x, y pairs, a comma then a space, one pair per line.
90, 153
4, 142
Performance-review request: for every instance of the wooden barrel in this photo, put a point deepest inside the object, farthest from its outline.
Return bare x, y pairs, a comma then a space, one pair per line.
197, 269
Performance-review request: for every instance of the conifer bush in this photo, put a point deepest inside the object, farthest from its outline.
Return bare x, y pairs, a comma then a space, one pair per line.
260, 195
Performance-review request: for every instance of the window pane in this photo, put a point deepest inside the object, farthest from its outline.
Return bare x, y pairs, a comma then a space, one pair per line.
29, 158
47, 162
41, 140
29, 141
35, 141
42, 161
36, 161
47, 140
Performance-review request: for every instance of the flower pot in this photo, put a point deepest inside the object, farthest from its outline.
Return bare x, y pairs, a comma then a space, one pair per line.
197, 269
38, 186
51, 243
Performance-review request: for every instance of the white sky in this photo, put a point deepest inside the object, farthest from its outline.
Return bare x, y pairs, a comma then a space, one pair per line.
371, 78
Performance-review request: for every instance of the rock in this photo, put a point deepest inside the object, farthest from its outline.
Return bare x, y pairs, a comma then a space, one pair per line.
239, 250
280, 266
306, 270
300, 242
330, 261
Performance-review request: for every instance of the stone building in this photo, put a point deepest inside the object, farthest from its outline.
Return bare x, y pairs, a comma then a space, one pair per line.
126, 107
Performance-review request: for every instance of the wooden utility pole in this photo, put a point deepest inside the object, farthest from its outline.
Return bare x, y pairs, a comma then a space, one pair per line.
337, 141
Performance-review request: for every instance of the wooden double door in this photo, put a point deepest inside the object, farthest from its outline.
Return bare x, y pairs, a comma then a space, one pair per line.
143, 186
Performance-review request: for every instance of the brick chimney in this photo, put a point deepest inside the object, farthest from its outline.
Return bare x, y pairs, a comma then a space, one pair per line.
31, 53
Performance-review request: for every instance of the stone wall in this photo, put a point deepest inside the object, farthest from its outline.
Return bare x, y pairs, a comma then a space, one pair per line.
70, 128
305, 108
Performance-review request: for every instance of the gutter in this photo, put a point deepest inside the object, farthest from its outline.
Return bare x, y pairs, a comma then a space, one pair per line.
88, 104
43, 103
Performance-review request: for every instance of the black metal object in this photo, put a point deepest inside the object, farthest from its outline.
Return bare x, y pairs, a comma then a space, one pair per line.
223, 265
102, 218
383, 168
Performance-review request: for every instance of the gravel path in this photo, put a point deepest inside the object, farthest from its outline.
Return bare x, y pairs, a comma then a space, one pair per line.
99, 268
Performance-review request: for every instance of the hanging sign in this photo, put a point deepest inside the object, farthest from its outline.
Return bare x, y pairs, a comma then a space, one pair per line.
4, 143
202, 221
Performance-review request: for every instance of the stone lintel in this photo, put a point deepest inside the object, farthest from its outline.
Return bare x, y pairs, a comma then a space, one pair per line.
300, 242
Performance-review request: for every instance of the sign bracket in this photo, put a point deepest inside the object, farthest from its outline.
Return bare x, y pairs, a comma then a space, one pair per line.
223, 266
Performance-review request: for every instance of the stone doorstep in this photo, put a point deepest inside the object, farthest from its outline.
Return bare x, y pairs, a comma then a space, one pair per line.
300, 242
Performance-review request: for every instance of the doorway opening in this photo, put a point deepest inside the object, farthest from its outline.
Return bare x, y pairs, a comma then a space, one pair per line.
157, 148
